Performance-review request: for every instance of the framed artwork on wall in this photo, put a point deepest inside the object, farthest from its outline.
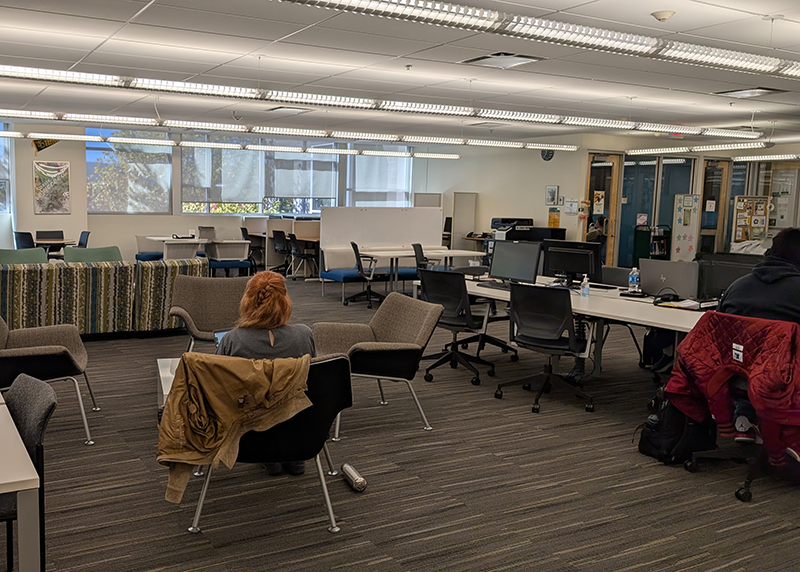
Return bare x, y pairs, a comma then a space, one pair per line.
551, 195
51, 187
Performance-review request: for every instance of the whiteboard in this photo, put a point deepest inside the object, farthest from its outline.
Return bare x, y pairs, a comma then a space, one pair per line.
380, 226
427, 199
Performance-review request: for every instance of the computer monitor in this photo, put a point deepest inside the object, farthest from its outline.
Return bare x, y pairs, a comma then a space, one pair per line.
448, 224
717, 275
570, 260
499, 222
515, 261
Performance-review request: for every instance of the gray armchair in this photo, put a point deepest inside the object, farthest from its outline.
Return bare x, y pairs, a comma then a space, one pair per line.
50, 353
389, 347
206, 305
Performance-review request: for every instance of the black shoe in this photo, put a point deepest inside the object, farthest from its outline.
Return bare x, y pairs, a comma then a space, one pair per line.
295, 467
273, 469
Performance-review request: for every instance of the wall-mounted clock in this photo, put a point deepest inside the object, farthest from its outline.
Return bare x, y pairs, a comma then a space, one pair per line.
547, 154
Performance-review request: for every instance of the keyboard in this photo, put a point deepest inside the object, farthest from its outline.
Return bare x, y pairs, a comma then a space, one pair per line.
494, 285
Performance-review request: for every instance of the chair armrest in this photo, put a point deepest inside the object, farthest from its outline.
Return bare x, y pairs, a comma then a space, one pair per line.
42, 362
385, 359
65, 336
334, 338
194, 331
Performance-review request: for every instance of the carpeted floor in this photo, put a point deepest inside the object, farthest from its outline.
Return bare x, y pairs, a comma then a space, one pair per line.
492, 487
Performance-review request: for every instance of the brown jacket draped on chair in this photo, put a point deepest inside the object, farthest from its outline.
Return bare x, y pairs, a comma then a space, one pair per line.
214, 400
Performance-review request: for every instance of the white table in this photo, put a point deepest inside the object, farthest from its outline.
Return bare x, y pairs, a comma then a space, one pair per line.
395, 254
18, 475
166, 373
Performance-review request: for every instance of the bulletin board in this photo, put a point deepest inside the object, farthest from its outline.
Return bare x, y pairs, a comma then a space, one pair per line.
685, 227
751, 219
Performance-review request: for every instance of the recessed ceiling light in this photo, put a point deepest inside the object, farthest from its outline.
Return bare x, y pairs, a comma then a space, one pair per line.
750, 92
501, 60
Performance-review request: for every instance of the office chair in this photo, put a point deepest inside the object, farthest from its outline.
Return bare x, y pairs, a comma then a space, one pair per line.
539, 318
24, 256
282, 248
298, 252
423, 262
449, 289
31, 403
54, 250
83, 241
100, 254
302, 436
23, 240
148, 249
369, 274
255, 249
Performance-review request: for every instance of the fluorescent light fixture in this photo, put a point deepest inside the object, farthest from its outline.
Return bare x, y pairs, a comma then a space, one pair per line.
142, 141
553, 146
210, 145
332, 151
596, 122
60, 76
204, 125
195, 88
432, 140
11, 134
364, 136
23, 114
425, 108
290, 132
732, 133
664, 128
791, 70
385, 153
629, 163
518, 116
731, 146
64, 137
767, 158
648, 163
673, 161
659, 151
319, 99
274, 148
451, 156
603, 164
718, 57
488, 143
109, 119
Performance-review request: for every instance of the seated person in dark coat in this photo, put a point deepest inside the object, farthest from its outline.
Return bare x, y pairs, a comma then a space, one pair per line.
262, 332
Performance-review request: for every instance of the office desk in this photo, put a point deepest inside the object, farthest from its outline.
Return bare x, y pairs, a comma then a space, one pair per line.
54, 242
394, 256
18, 475
609, 305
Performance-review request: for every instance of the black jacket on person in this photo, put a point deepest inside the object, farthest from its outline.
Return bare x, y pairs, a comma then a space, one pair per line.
771, 291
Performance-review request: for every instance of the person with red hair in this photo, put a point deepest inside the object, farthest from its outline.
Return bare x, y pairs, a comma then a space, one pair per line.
263, 332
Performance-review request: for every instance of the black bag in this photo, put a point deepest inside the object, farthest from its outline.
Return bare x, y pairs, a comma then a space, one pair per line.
670, 436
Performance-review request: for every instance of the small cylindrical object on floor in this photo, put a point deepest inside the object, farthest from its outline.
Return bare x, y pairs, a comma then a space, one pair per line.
354, 478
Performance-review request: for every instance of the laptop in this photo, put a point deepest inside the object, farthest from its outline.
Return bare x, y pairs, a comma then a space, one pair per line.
664, 277
218, 335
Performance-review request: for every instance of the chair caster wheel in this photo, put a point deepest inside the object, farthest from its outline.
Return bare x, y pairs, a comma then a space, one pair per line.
369, 306
345, 303
744, 495
491, 372
476, 380
535, 408
464, 346
526, 387
691, 465
504, 350
589, 408
514, 357
294, 279
428, 377
454, 364
498, 394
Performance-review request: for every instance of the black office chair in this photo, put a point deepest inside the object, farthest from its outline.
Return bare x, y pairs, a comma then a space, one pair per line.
83, 241
255, 250
450, 290
423, 262
539, 318
23, 240
31, 403
369, 274
282, 248
53, 251
302, 436
299, 253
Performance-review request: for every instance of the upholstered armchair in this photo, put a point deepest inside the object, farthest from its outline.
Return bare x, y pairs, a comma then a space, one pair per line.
389, 347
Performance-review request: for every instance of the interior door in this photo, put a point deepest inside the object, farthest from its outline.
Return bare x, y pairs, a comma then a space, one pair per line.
716, 185
602, 192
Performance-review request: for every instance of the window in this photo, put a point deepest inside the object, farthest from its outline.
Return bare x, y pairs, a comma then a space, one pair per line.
5, 172
300, 183
374, 181
126, 177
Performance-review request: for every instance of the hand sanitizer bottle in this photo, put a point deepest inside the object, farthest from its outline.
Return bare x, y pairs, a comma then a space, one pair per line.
585, 286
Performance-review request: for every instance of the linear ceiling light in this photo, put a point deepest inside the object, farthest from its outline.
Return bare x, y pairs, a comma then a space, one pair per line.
274, 148
554, 147
12, 134
488, 143
595, 122
767, 158
210, 145
673, 161
732, 133
603, 164
518, 116
109, 119
204, 125
23, 114
385, 153
436, 156
195, 88
659, 151
290, 132
701, 148
718, 57
664, 128
60, 76
432, 140
648, 163
365, 136
320, 99
332, 151
142, 141
412, 107
64, 137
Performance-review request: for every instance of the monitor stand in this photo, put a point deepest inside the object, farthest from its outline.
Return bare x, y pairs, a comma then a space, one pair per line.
563, 281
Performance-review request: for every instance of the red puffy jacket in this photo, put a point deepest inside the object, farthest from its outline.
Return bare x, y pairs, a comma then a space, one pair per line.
766, 352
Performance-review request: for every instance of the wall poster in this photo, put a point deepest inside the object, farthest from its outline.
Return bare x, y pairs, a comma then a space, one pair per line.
599, 202
51, 187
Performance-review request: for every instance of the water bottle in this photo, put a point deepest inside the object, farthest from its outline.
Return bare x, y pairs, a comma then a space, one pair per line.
633, 280
585, 286
354, 478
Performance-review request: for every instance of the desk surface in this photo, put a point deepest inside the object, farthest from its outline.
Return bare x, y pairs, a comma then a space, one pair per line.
54, 241
408, 252
17, 472
608, 304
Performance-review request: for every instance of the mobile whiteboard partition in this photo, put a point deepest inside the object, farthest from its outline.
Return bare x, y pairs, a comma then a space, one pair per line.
375, 227
306, 228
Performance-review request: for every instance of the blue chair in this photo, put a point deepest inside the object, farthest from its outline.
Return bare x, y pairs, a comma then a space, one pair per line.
147, 250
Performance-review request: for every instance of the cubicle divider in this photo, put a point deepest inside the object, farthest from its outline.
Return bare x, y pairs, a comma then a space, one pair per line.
376, 227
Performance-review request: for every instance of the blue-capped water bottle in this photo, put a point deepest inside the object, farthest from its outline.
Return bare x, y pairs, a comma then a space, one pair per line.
633, 280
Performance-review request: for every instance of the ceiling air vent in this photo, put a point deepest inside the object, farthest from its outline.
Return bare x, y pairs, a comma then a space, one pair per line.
501, 60
750, 92
284, 110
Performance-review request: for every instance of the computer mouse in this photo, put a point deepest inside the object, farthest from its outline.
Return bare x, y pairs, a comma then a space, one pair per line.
669, 297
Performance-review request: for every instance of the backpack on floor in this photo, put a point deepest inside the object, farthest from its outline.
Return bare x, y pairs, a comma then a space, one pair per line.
670, 436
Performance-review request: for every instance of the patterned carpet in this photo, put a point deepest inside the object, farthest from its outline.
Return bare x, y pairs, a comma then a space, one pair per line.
493, 487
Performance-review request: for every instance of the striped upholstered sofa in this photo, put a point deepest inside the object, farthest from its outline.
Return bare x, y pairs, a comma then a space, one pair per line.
98, 297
